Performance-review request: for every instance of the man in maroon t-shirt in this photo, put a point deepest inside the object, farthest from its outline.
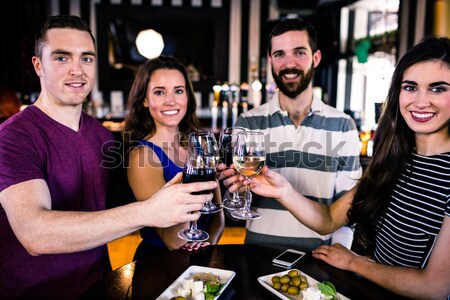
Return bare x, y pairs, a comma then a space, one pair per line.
54, 176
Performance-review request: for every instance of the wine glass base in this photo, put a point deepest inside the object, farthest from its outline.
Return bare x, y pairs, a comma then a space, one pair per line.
245, 215
210, 209
193, 235
231, 204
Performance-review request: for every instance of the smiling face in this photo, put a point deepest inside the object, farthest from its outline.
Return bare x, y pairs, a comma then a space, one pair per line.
293, 62
167, 98
67, 66
425, 98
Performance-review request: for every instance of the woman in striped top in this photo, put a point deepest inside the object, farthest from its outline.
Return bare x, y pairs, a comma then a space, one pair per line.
401, 206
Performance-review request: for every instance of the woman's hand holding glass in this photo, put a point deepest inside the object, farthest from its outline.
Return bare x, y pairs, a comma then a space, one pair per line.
194, 246
267, 183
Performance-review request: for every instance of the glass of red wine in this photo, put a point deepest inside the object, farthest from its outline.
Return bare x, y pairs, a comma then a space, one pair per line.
227, 139
200, 165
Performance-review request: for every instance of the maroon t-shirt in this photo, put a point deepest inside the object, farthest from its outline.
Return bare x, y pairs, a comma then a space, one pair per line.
74, 166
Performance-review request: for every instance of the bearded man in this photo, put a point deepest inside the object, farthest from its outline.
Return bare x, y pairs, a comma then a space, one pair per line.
315, 146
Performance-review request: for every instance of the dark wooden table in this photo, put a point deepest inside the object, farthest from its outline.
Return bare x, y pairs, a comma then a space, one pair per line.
148, 278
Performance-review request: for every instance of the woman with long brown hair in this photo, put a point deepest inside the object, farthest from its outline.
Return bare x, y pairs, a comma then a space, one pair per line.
161, 115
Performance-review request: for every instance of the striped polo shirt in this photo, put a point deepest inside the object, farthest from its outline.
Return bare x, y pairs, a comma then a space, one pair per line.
420, 201
320, 158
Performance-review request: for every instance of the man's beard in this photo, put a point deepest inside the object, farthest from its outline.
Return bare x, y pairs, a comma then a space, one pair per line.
293, 89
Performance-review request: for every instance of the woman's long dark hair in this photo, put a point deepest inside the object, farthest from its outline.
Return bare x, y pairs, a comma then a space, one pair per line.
393, 143
139, 123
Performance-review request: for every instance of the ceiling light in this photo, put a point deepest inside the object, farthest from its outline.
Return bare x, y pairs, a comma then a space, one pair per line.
149, 43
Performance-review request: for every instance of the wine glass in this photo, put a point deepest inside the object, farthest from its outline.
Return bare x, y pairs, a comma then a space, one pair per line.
200, 165
249, 157
210, 148
227, 139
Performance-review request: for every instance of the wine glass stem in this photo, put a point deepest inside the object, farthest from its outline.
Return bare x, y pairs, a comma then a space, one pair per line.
235, 197
193, 226
248, 199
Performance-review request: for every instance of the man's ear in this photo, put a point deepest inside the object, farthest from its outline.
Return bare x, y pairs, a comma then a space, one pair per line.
317, 57
36, 61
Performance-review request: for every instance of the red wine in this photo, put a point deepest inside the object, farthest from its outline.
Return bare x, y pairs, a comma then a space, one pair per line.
199, 175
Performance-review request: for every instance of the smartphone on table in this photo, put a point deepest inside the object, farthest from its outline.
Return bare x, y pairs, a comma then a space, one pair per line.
288, 258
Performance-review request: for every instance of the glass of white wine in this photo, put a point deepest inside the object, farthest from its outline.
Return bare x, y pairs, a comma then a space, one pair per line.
249, 157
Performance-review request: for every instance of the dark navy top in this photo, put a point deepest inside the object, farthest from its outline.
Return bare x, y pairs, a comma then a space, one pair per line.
170, 169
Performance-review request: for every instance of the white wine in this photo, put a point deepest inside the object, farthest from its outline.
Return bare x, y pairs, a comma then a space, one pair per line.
249, 166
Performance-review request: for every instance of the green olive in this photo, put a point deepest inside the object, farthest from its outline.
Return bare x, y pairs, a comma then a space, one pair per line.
296, 281
303, 285
285, 279
293, 273
293, 290
285, 287
277, 286
275, 279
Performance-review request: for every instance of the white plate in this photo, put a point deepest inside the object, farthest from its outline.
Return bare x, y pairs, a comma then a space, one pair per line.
266, 281
224, 275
